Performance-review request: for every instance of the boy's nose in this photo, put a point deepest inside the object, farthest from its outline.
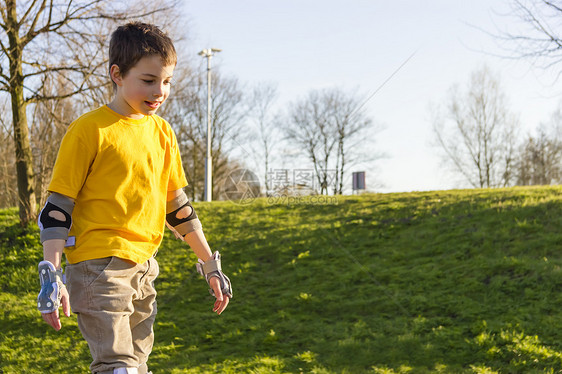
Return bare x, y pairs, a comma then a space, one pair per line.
159, 91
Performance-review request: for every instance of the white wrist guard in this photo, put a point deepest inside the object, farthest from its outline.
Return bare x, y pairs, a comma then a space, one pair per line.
52, 281
212, 268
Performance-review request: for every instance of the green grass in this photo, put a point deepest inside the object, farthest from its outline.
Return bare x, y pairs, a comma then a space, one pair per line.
463, 281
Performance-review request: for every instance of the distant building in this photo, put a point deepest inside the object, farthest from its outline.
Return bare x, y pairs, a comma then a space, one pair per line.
358, 181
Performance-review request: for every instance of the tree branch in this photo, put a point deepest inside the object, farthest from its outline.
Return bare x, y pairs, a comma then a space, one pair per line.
57, 69
4, 18
27, 12
37, 97
31, 33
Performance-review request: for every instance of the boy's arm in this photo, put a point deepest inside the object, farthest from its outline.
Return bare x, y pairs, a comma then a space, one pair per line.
54, 222
198, 244
52, 251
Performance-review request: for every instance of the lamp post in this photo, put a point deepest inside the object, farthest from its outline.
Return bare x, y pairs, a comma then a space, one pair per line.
209, 53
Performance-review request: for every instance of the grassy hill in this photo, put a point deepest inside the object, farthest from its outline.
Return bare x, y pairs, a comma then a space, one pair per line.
464, 281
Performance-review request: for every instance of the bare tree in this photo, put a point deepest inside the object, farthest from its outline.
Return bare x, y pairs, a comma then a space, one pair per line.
8, 191
322, 124
538, 36
539, 162
540, 156
478, 133
40, 39
350, 121
265, 126
309, 128
49, 121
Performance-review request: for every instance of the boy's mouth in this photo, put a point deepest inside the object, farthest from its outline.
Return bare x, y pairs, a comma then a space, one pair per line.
153, 104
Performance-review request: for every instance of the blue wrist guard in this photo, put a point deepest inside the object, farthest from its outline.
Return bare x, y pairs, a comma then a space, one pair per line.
51, 284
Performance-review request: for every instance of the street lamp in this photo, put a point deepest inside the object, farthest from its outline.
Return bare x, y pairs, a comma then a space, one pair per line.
209, 53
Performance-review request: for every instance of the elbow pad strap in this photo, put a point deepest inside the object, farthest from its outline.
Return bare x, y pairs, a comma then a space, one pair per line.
182, 225
53, 228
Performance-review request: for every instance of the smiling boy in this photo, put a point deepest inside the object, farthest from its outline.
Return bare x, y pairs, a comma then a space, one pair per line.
118, 180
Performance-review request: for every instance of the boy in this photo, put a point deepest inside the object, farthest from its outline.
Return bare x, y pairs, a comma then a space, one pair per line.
118, 180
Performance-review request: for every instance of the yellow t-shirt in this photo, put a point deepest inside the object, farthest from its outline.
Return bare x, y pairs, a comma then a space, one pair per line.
119, 171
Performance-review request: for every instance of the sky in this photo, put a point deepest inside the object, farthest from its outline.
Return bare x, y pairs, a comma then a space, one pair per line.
412, 52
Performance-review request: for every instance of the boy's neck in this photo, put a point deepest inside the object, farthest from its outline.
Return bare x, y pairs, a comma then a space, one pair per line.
122, 110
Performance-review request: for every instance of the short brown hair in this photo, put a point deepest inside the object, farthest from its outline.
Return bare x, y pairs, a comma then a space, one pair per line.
135, 40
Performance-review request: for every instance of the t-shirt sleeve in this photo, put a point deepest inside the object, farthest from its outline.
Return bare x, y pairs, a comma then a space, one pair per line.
72, 165
177, 175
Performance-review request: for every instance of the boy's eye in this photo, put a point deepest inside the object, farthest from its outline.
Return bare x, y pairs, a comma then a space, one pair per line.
148, 80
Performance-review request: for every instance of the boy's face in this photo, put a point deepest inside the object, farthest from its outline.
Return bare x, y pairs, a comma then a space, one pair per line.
143, 89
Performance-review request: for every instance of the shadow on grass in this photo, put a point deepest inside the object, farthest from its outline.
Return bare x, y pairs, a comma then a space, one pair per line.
405, 286
454, 281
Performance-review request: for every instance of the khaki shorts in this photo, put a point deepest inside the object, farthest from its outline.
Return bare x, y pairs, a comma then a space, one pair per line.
115, 302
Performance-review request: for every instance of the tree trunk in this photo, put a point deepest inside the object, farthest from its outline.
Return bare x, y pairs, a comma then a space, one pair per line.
336, 181
266, 165
24, 157
342, 167
24, 160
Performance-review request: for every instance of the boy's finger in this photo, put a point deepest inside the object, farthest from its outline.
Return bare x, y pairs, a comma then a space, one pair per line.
52, 319
65, 305
221, 301
220, 306
65, 302
217, 305
55, 320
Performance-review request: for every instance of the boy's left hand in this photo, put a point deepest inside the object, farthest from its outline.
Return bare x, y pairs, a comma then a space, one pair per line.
222, 300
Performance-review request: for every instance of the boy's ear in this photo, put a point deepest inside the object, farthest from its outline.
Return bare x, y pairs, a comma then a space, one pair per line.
115, 74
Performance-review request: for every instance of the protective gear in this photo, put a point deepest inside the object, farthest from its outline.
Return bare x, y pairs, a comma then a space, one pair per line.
51, 227
212, 268
52, 281
183, 226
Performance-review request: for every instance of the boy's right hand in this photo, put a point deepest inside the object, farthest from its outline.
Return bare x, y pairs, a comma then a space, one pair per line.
53, 317
53, 294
